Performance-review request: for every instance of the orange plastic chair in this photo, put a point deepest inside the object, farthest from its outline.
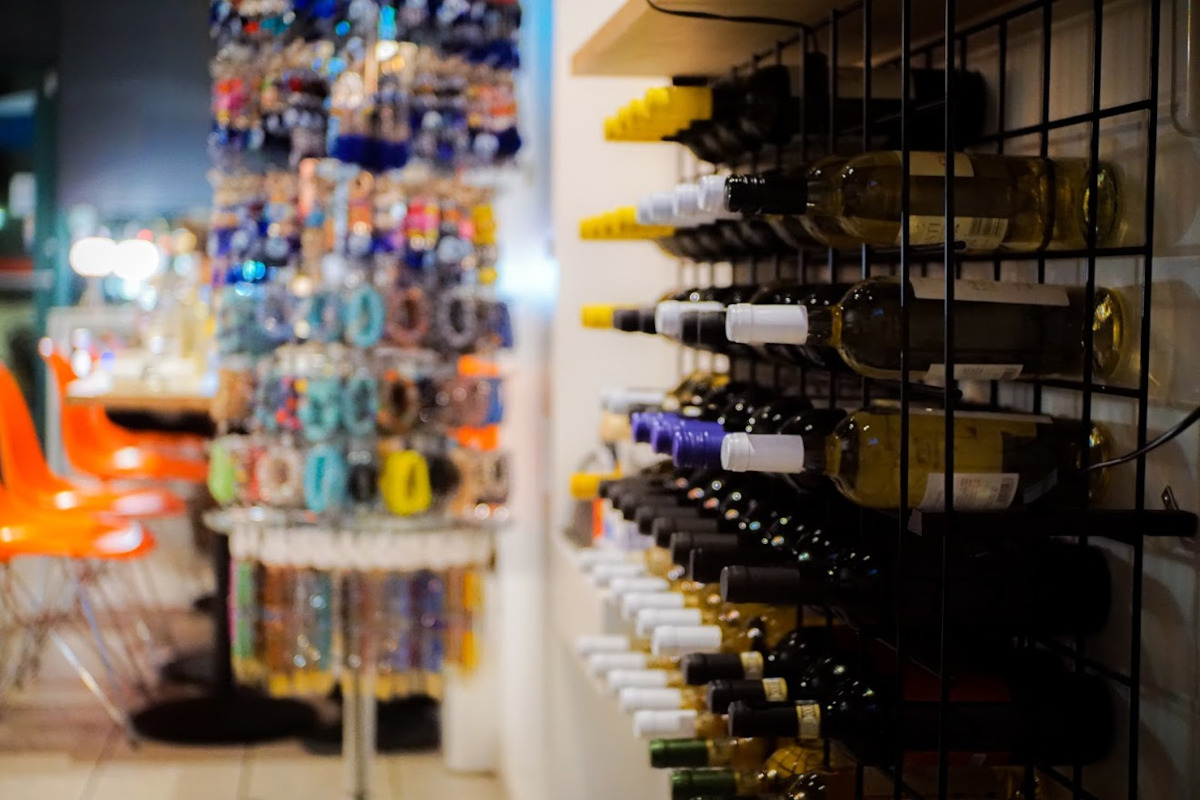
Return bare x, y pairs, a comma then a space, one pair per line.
181, 445
63, 536
68, 534
32, 483
98, 447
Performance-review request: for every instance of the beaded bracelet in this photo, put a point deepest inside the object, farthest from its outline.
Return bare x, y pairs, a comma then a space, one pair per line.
325, 474
405, 484
222, 473
363, 317
274, 314
400, 403
322, 314
363, 483
279, 474
409, 316
320, 410
492, 469
457, 322
360, 404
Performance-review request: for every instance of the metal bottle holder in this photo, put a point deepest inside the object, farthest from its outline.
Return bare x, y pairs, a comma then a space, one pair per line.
985, 46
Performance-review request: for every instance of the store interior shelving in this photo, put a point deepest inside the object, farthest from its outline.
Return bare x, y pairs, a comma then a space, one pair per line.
1063, 109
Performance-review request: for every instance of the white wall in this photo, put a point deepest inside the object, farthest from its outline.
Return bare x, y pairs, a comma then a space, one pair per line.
588, 758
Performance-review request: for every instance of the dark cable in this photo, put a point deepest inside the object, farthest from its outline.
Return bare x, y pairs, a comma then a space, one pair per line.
788, 23
1159, 441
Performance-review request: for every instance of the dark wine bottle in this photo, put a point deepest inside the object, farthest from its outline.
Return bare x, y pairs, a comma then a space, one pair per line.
1048, 588
794, 653
1047, 717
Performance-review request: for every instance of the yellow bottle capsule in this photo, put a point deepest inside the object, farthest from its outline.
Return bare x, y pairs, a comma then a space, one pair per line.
598, 315
586, 485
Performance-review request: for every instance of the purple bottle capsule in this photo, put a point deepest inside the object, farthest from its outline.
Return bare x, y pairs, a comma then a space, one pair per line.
698, 445
644, 423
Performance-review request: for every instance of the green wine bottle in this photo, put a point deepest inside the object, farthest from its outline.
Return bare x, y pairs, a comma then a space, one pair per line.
1000, 460
1011, 203
1002, 330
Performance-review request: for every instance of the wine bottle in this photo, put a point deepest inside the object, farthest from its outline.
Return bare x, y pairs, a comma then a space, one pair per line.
1055, 718
648, 620
793, 654
1002, 330
697, 597
726, 409
814, 682
681, 724
965, 783
814, 297
620, 679
777, 774
1050, 588
739, 754
691, 222
1009, 203
601, 664
588, 646
635, 699
734, 632
737, 115
1000, 460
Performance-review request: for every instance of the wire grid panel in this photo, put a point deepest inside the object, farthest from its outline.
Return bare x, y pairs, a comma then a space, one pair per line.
1064, 79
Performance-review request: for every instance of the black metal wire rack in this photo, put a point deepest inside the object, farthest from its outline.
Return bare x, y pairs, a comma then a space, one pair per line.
854, 35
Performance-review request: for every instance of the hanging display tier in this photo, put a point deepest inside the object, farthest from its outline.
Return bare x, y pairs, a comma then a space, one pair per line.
360, 90
396, 604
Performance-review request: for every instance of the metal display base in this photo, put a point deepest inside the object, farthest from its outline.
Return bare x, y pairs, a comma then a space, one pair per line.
194, 669
402, 726
225, 715
235, 719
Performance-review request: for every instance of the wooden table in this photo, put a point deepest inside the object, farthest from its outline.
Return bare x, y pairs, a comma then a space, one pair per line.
146, 400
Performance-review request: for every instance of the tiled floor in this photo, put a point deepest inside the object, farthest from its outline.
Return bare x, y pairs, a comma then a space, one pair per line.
56, 743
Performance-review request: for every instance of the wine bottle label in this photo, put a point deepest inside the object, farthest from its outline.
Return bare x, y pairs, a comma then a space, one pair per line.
974, 372
977, 291
977, 233
775, 690
978, 491
810, 721
752, 665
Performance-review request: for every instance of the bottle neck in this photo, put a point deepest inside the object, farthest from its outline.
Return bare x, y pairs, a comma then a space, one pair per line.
814, 454
820, 196
771, 193
824, 329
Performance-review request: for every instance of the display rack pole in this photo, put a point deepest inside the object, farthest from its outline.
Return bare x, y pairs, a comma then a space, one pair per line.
358, 713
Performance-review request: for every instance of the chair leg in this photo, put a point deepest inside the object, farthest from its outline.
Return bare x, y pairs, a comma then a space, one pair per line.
89, 616
115, 714
154, 625
90, 602
86, 677
14, 634
33, 622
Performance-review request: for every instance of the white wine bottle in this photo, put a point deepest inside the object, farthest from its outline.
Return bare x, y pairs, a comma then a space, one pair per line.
1011, 203
1000, 460
1002, 330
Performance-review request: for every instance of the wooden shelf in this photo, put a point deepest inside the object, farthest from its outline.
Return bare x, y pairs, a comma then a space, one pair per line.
144, 400
639, 41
